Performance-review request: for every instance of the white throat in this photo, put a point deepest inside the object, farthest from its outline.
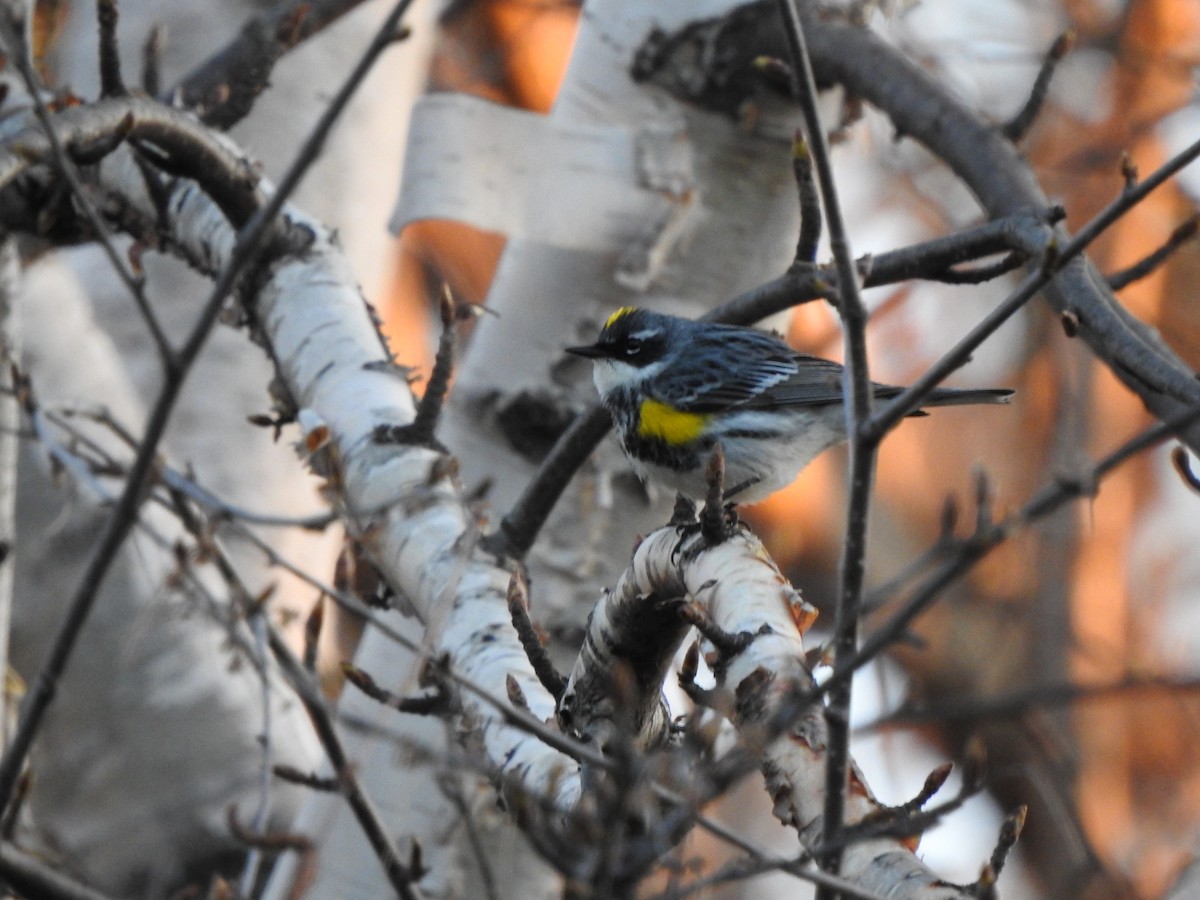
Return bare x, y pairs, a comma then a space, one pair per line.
611, 374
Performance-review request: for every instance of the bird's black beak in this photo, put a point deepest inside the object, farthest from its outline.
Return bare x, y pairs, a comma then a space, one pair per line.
589, 351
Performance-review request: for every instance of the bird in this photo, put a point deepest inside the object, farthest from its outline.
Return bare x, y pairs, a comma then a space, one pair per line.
677, 387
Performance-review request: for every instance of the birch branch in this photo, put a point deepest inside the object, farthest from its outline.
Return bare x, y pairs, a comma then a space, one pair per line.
755, 623
402, 502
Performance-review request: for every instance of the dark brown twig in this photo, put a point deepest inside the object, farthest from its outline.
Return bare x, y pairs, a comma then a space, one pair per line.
726, 643
312, 634
862, 442
1019, 125
1010, 831
152, 51
30, 877
810, 203
299, 844
307, 779
1183, 233
431, 704
111, 82
712, 514
421, 430
543, 667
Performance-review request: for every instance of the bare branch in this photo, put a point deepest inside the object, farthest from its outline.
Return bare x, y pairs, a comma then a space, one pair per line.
976, 709
152, 51
1018, 125
420, 431
1182, 233
810, 203
518, 608
307, 779
428, 704
111, 82
32, 878
863, 443
222, 90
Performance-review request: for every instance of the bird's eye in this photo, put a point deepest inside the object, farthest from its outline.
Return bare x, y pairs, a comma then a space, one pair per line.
633, 347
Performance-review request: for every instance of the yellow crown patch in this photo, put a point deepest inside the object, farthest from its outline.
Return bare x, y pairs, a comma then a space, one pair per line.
620, 313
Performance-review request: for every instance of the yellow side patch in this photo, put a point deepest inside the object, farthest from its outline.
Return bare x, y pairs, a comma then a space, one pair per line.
672, 426
623, 311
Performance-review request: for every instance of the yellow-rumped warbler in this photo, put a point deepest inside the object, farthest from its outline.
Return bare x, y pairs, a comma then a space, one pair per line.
675, 387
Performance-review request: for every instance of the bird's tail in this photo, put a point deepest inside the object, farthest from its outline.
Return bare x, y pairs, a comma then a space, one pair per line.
966, 396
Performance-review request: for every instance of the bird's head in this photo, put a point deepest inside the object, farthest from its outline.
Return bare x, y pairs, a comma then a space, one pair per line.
632, 346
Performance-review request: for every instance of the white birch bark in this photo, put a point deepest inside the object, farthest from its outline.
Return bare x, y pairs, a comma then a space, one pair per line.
738, 589
151, 737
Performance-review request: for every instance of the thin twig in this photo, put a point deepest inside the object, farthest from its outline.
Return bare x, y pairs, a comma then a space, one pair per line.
300, 844
535, 651
318, 711
976, 709
452, 790
221, 509
421, 431
312, 634
810, 202
111, 82
258, 628
152, 51
216, 508
422, 705
862, 443
293, 775
1182, 233
1019, 125
30, 877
